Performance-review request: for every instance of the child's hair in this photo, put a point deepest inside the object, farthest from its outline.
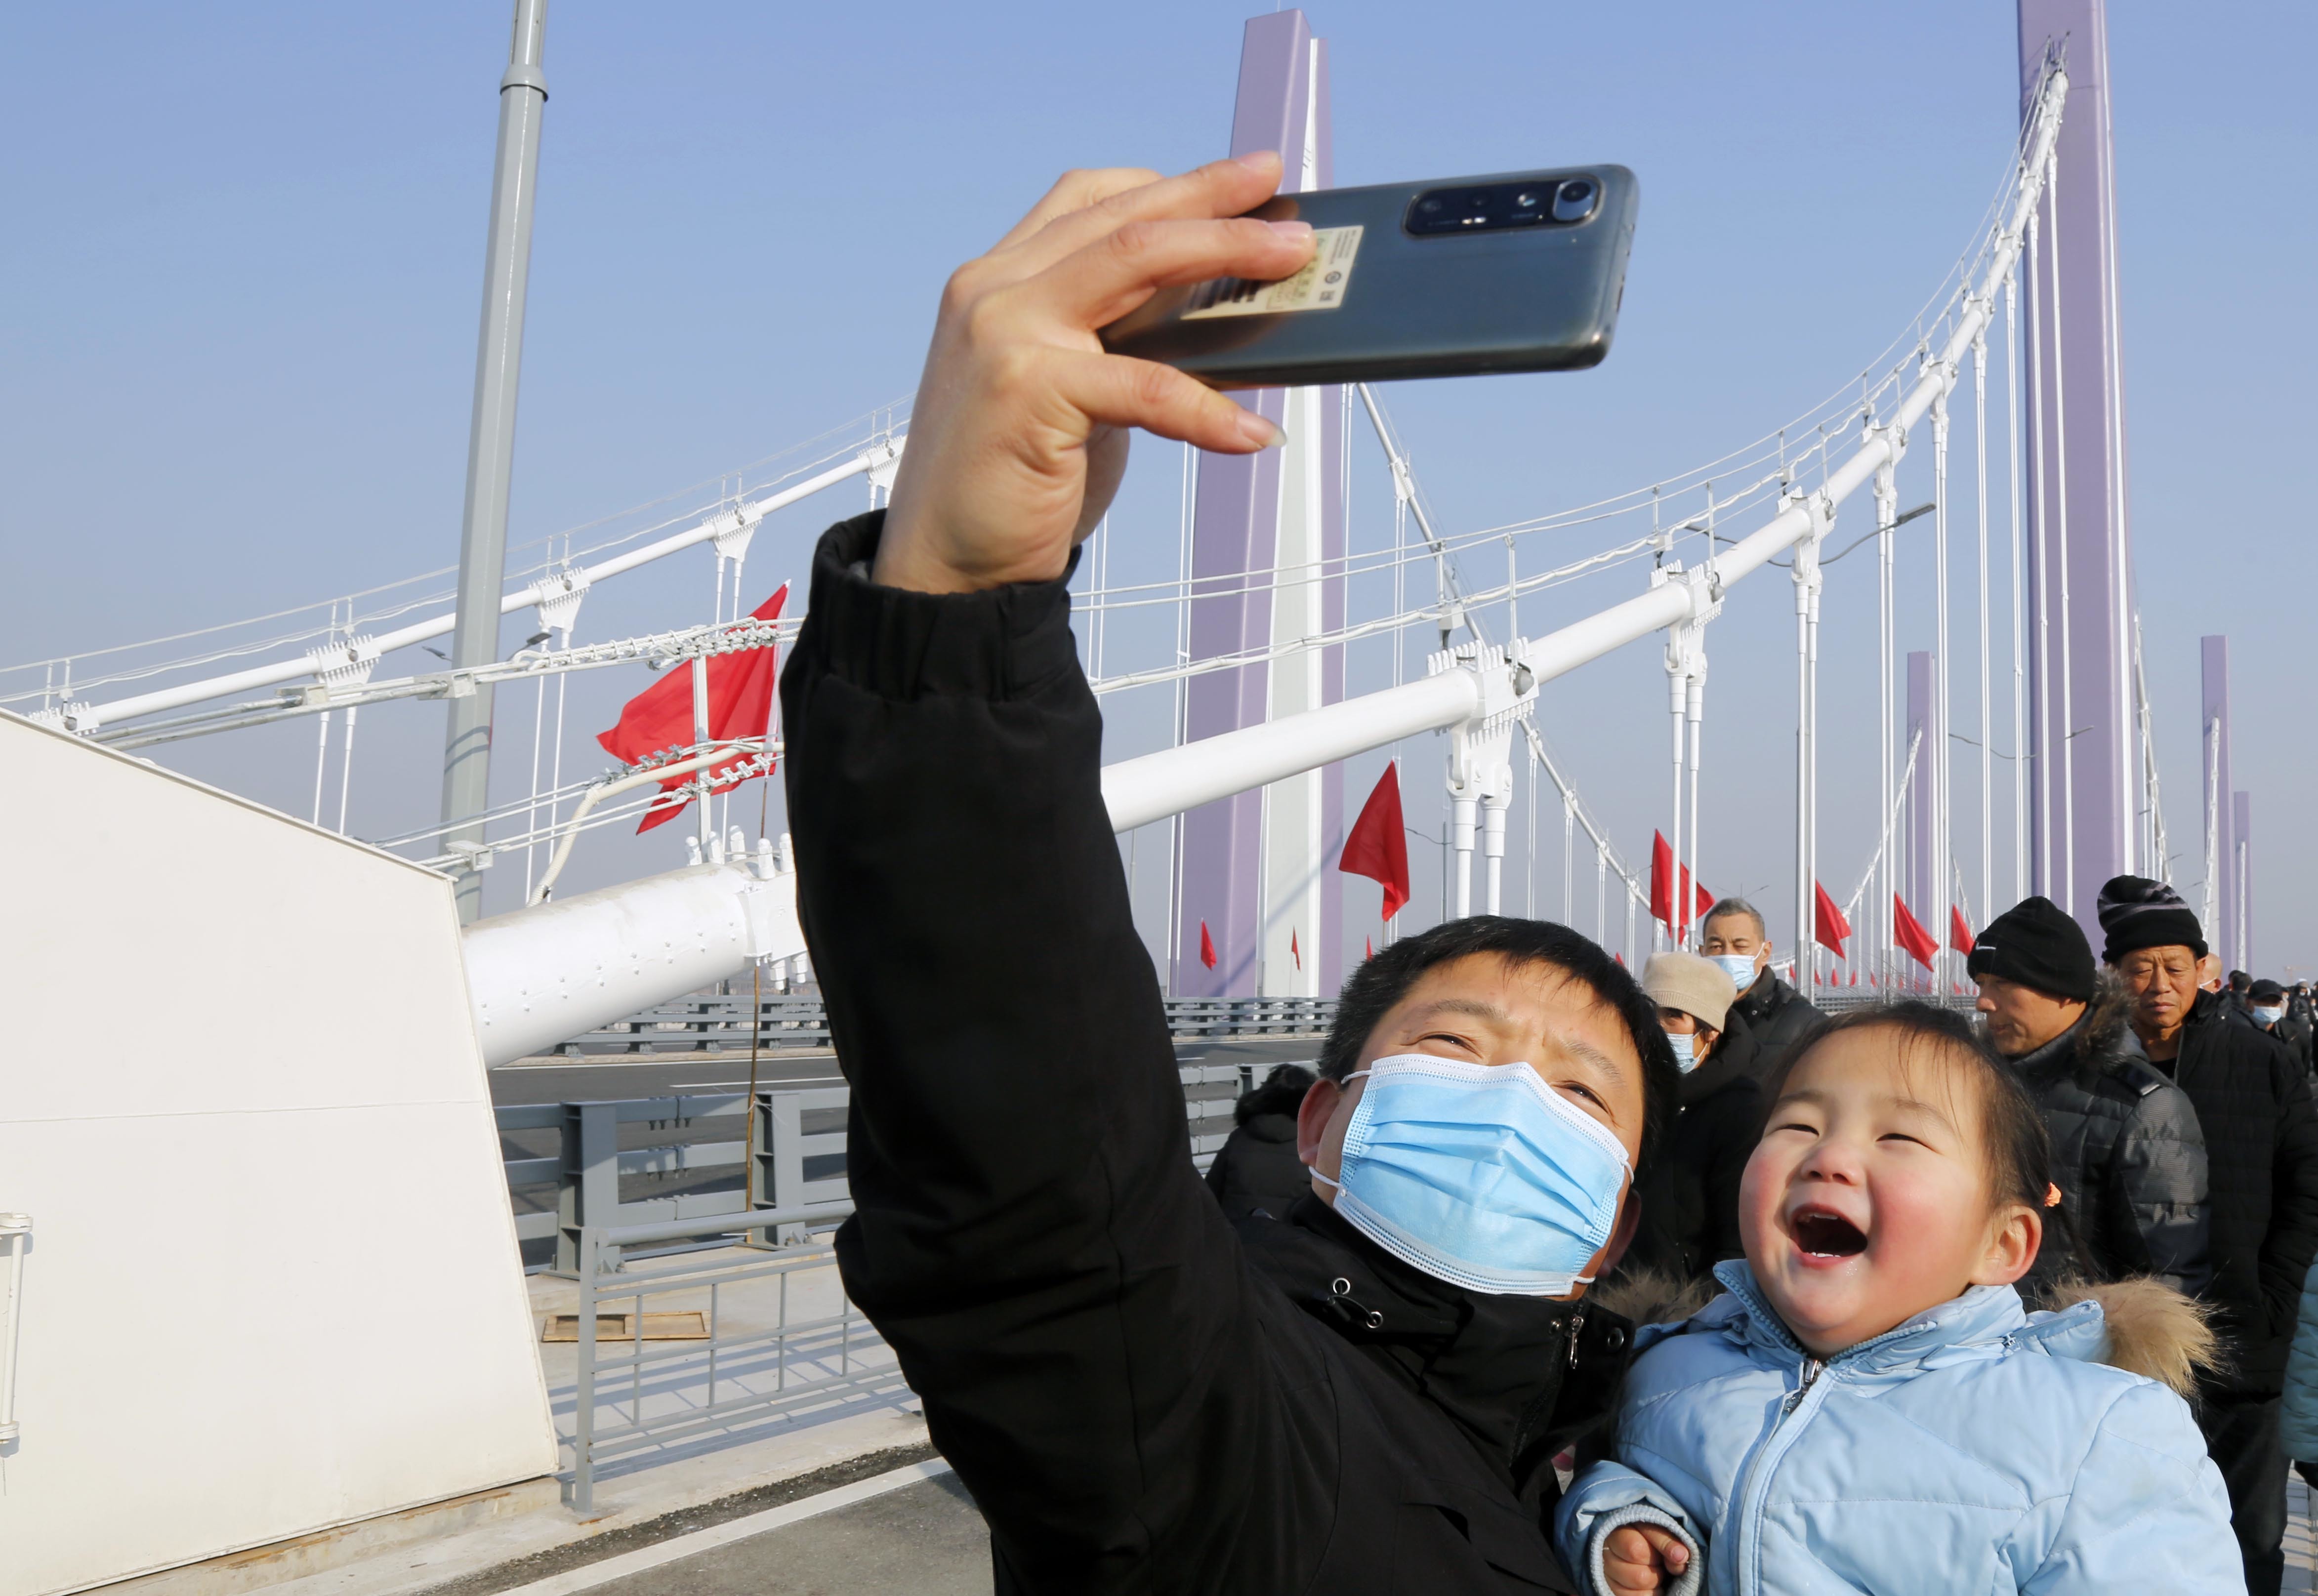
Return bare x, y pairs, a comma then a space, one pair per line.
2015, 1143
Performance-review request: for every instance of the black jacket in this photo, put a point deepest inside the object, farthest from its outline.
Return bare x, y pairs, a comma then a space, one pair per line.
2253, 1105
1138, 1399
1690, 1198
1776, 1016
1257, 1167
2127, 1155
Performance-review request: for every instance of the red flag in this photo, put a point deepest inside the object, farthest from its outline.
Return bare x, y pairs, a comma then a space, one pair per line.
1368, 950
1206, 947
739, 704
1909, 933
1377, 847
1833, 928
1959, 933
1295, 952
1663, 890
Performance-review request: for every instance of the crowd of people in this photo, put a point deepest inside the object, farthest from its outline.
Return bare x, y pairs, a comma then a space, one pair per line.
1551, 1277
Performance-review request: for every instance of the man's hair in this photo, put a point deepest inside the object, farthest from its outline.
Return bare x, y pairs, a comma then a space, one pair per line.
1384, 979
1736, 906
2014, 1141
2240, 981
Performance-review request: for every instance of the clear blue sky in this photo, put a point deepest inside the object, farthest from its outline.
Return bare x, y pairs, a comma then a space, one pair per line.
244, 248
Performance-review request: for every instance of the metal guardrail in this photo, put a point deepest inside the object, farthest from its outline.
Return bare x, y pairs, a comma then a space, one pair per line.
796, 1138
753, 1365
702, 1023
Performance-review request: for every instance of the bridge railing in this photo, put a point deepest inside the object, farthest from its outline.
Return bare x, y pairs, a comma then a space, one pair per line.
700, 1343
796, 1139
714, 1022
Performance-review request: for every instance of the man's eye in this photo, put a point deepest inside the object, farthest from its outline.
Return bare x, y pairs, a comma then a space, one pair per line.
1453, 1040
1581, 1090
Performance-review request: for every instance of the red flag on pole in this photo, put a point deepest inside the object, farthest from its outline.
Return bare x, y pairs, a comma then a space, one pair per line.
1833, 927
1377, 847
1368, 949
1295, 952
1959, 933
1206, 947
739, 704
1661, 881
1909, 933
1706, 902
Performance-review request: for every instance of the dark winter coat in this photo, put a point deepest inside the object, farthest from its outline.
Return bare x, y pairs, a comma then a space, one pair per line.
1690, 1198
2127, 1155
2296, 1033
1138, 1398
1776, 1016
2252, 1100
1257, 1167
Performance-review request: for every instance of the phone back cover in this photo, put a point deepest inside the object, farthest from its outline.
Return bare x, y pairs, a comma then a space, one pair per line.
1535, 298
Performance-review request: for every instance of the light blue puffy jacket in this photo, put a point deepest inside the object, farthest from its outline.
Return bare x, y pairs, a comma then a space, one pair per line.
1976, 1449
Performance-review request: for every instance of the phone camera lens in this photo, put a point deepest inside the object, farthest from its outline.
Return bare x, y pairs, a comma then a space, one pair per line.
1575, 200
1527, 199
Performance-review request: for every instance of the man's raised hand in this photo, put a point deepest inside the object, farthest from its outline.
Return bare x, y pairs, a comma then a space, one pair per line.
1017, 439
1640, 1558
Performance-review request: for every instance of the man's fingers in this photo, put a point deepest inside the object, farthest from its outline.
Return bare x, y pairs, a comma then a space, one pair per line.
1114, 391
1101, 283
1075, 190
1204, 194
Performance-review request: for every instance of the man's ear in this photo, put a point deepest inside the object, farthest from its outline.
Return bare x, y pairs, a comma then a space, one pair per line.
1312, 1116
2013, 1247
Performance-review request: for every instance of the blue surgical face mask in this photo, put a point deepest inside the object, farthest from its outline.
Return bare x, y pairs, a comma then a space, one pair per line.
1686, 1050
1739, 966
2269, 1016
1479, 1175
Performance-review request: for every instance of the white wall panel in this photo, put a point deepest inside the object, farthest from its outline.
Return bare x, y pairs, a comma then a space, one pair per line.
274, 1283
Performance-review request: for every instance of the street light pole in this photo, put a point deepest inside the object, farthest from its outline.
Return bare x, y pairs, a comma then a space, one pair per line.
490, 444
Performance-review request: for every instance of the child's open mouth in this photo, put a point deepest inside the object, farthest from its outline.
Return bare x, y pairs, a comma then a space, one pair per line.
1822, 1233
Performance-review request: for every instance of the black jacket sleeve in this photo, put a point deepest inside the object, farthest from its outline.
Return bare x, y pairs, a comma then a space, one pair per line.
2157, 1191
1030, 1236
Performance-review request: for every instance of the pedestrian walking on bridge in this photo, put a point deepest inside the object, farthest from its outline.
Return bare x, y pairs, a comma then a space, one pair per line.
2254, 1104
1776, 1015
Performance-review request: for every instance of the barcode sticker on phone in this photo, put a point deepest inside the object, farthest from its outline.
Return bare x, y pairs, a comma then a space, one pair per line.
1319, 286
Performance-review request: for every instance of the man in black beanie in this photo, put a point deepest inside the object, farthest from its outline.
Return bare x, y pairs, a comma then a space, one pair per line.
2127, 1154
2261, 1144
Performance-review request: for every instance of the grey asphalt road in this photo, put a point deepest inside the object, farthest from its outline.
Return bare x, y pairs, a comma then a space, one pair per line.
923, 1540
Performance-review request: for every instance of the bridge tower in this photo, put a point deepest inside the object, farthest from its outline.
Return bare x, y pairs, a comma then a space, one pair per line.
1267, 542
2218, 799
2086, 797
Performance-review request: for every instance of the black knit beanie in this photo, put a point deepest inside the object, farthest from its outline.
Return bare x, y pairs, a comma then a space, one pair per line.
2036, 945
2137, 912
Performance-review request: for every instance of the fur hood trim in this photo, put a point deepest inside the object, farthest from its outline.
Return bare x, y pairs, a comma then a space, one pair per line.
2101, 1033
2153, 1330
1652, 1296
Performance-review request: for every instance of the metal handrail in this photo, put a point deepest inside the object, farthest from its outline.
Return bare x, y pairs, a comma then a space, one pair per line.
16, 1233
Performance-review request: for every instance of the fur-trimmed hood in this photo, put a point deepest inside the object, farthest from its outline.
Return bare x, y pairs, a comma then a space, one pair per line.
2149, 1329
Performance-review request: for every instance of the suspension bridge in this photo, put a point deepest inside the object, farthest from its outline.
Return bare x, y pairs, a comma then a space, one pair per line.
1320, 613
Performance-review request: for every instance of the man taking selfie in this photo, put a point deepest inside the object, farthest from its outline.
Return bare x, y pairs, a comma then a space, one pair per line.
1363, 1394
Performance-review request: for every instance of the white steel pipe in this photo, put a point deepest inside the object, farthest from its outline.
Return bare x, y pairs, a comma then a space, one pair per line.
543, 975
1156, 785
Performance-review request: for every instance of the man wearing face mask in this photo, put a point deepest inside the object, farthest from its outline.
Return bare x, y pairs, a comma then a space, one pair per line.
2266, 1007
1362, 1396
1734, 937
1690, 1203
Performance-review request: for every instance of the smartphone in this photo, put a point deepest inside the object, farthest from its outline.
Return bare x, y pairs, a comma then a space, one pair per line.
1514, 271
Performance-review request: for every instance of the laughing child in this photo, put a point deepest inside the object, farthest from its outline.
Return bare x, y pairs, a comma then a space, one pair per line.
1868, 1407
